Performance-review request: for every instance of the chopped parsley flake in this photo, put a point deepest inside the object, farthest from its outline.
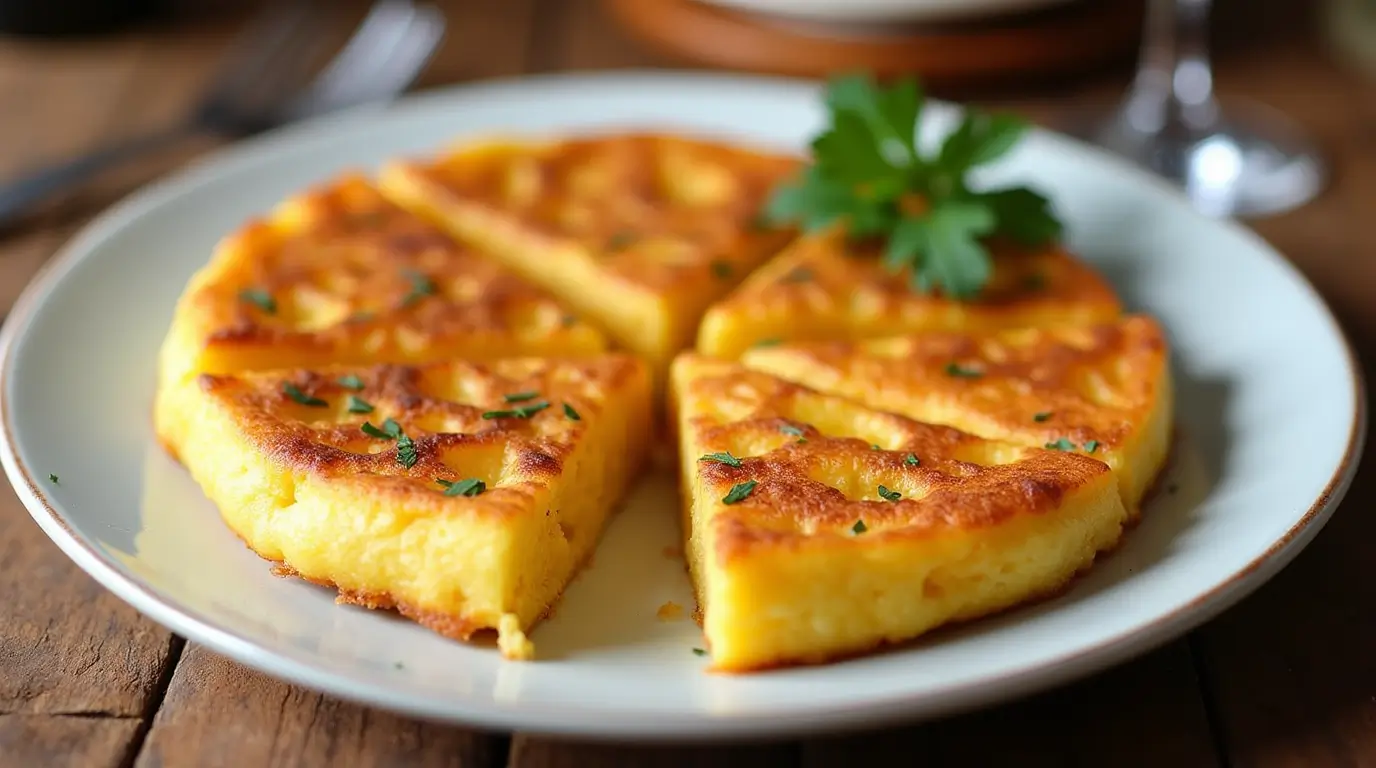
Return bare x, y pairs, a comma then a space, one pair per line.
406, 451
699, 652
912, 460
524, 412
52, 479
888, 495
961, 372
521, 397
875, 447
421, 286
470, 487
571, 413
350, 382
620, 240
739, 492
789, 429
260, 298
1092, 446
859, 527
724, 457
359, 405
774, 342
1040, 417
390, 430
1061, 445
721, 269
296, 394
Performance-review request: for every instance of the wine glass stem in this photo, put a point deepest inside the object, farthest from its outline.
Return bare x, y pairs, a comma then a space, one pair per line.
1174, 82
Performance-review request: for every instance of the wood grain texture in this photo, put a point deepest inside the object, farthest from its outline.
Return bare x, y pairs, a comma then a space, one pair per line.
217, 713
547, 753
60, 742
1101, 721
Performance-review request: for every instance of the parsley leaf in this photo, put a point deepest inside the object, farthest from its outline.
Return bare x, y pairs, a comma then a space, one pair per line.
1042, 416
260, 298
359, 405
296, 394
52, 478
699, 652
721, 269
523, 412
571, 413
1092, 446
421, 286
789, 429
350, 382
470, 487
868, 174
912, 460
372, 431
724, 457
1061, 444
521, 397
739, 492
406, 451
859, 527
956, 370
888, 495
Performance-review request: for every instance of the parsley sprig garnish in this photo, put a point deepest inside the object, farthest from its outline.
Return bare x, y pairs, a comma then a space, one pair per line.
868, 173
470, 487
523, 412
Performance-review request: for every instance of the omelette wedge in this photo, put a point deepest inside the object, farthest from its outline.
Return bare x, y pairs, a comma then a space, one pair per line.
637, 232
1104, 389
824, 287
338, 275
465, 495
819, 528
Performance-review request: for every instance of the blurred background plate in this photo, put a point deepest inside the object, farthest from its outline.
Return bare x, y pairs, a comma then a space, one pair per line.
871, 11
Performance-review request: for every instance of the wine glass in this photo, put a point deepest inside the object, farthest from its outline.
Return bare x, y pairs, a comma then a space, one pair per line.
1247, 160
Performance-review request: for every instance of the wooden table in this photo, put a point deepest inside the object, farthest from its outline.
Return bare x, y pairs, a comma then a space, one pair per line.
1287, 678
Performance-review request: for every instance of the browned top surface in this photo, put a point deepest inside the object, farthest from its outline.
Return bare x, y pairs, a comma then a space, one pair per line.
463, 419
654, 209
819, 462
1083, 383
338, 268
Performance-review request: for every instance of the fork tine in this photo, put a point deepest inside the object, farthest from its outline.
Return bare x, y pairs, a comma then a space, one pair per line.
382, 58
261, 42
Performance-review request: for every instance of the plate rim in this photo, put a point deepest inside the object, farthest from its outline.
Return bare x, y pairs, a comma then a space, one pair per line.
544, 719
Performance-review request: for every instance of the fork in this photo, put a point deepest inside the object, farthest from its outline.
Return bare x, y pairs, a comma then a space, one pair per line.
260, 86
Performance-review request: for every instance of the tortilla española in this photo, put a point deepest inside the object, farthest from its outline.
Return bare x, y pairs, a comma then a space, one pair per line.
823, 287
463, 494
819, 528
1104, 389
637, 232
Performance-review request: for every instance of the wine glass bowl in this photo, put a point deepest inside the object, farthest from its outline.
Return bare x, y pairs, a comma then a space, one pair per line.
1246, 160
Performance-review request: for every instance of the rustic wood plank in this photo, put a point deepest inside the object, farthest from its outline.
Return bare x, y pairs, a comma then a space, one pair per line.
547, 753
67, 646
218, 713
57, 742
1147, 713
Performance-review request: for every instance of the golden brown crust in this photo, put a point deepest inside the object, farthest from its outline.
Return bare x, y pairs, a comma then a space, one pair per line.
958, 481
1088, 384
441, 407
658, 210
351, 278
826, 287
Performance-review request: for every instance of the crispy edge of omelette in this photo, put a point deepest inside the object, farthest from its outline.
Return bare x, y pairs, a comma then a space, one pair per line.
214, 329
649, 307
822, 288
1028, 386
456, 565
782, 577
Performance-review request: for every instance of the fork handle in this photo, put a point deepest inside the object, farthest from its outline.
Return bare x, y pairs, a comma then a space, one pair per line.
20, 195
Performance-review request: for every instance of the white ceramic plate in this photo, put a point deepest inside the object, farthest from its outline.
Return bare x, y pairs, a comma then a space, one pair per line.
1269, 402
886, 11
